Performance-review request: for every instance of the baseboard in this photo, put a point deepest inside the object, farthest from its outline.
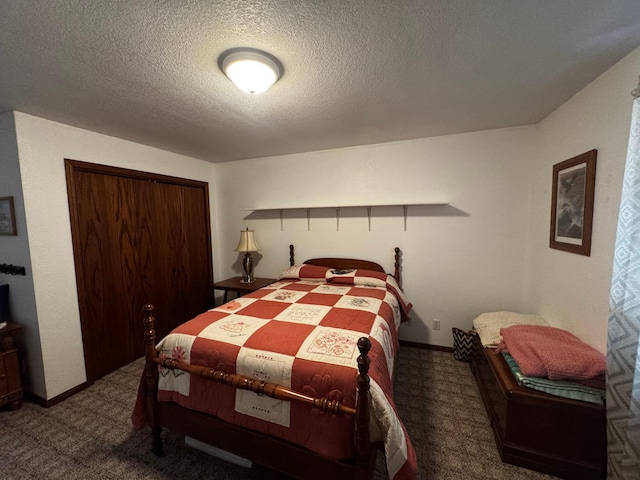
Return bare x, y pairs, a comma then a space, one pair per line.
52, 401
426, 346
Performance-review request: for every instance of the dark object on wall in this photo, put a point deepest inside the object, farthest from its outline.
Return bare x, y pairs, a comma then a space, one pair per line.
574, 184
4, 303
12, 270
7, 217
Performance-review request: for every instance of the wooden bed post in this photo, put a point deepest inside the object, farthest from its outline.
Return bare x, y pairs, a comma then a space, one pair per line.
363, 442
292, 260
151, 377
396, 271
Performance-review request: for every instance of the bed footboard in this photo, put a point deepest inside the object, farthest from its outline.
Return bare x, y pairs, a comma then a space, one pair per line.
363, 464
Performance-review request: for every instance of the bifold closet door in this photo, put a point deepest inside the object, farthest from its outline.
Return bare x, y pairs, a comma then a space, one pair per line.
137, 238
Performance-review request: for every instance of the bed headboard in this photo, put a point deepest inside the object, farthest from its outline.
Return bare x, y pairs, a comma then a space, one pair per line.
346, 263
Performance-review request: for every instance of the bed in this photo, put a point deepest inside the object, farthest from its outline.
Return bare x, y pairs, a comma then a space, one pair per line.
296, 376
549, 433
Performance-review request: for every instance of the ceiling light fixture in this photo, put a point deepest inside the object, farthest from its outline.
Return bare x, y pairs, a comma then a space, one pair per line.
253, 71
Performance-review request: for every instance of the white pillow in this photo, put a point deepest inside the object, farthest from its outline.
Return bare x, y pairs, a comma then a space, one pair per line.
488, 324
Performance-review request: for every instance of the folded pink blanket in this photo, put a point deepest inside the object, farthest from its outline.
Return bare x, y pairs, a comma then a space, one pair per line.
542, 351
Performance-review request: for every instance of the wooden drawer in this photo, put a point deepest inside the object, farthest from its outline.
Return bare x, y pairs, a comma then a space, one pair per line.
4, 381
10, 385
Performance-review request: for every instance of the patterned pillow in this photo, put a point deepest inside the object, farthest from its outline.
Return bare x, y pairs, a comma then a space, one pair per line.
360, 277
305, 272
464, 344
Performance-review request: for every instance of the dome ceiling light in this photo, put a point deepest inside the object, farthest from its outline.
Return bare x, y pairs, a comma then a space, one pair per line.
253, 71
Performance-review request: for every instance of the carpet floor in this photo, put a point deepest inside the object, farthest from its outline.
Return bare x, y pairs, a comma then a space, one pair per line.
89, 436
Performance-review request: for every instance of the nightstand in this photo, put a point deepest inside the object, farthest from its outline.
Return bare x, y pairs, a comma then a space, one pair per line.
10, 384
235, 285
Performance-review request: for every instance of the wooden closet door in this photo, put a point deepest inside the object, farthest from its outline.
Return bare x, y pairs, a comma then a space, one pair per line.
181, 248
137, 238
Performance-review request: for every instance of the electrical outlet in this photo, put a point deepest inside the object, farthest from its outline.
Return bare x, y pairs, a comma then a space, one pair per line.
436, 324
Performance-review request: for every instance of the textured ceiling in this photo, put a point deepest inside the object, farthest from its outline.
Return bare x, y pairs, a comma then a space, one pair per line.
356, 72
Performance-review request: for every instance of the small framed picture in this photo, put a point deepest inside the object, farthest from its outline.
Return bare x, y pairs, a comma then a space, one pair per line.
574, 182
7, 216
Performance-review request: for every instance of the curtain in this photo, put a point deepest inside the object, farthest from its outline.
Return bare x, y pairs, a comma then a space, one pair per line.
623, 346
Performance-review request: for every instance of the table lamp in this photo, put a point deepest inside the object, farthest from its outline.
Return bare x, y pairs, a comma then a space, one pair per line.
247, 244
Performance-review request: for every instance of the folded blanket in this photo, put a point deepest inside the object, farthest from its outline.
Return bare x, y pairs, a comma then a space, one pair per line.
562, 388
554, 353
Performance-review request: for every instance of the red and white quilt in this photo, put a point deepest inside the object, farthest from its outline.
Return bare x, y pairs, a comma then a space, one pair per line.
300, 332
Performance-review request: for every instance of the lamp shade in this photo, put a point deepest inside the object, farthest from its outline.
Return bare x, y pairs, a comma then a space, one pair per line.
247, 242
252, 71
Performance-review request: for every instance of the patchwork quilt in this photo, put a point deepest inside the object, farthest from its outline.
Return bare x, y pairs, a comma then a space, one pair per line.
300, 332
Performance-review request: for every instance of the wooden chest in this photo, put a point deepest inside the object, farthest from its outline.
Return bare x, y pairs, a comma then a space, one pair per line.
539, 431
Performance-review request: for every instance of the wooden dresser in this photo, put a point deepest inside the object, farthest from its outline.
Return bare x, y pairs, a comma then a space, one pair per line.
10, 384
543, 432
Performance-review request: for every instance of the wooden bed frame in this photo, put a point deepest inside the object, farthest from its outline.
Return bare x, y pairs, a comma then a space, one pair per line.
532, 429
261, 448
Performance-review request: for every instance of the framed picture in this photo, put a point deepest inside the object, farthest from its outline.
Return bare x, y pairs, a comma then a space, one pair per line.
574, 183
7, 217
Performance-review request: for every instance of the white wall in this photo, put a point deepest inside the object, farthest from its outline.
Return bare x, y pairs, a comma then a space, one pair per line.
43, 145
572, 291
489, 251
14, 250
458, 261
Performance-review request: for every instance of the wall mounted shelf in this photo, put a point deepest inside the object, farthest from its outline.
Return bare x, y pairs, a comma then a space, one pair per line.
405, 207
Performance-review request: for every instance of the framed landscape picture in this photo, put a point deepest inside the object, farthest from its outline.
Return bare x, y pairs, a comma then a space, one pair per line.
7, 216
574, 182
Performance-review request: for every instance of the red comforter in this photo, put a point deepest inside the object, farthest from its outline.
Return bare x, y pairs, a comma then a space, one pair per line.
301, 334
